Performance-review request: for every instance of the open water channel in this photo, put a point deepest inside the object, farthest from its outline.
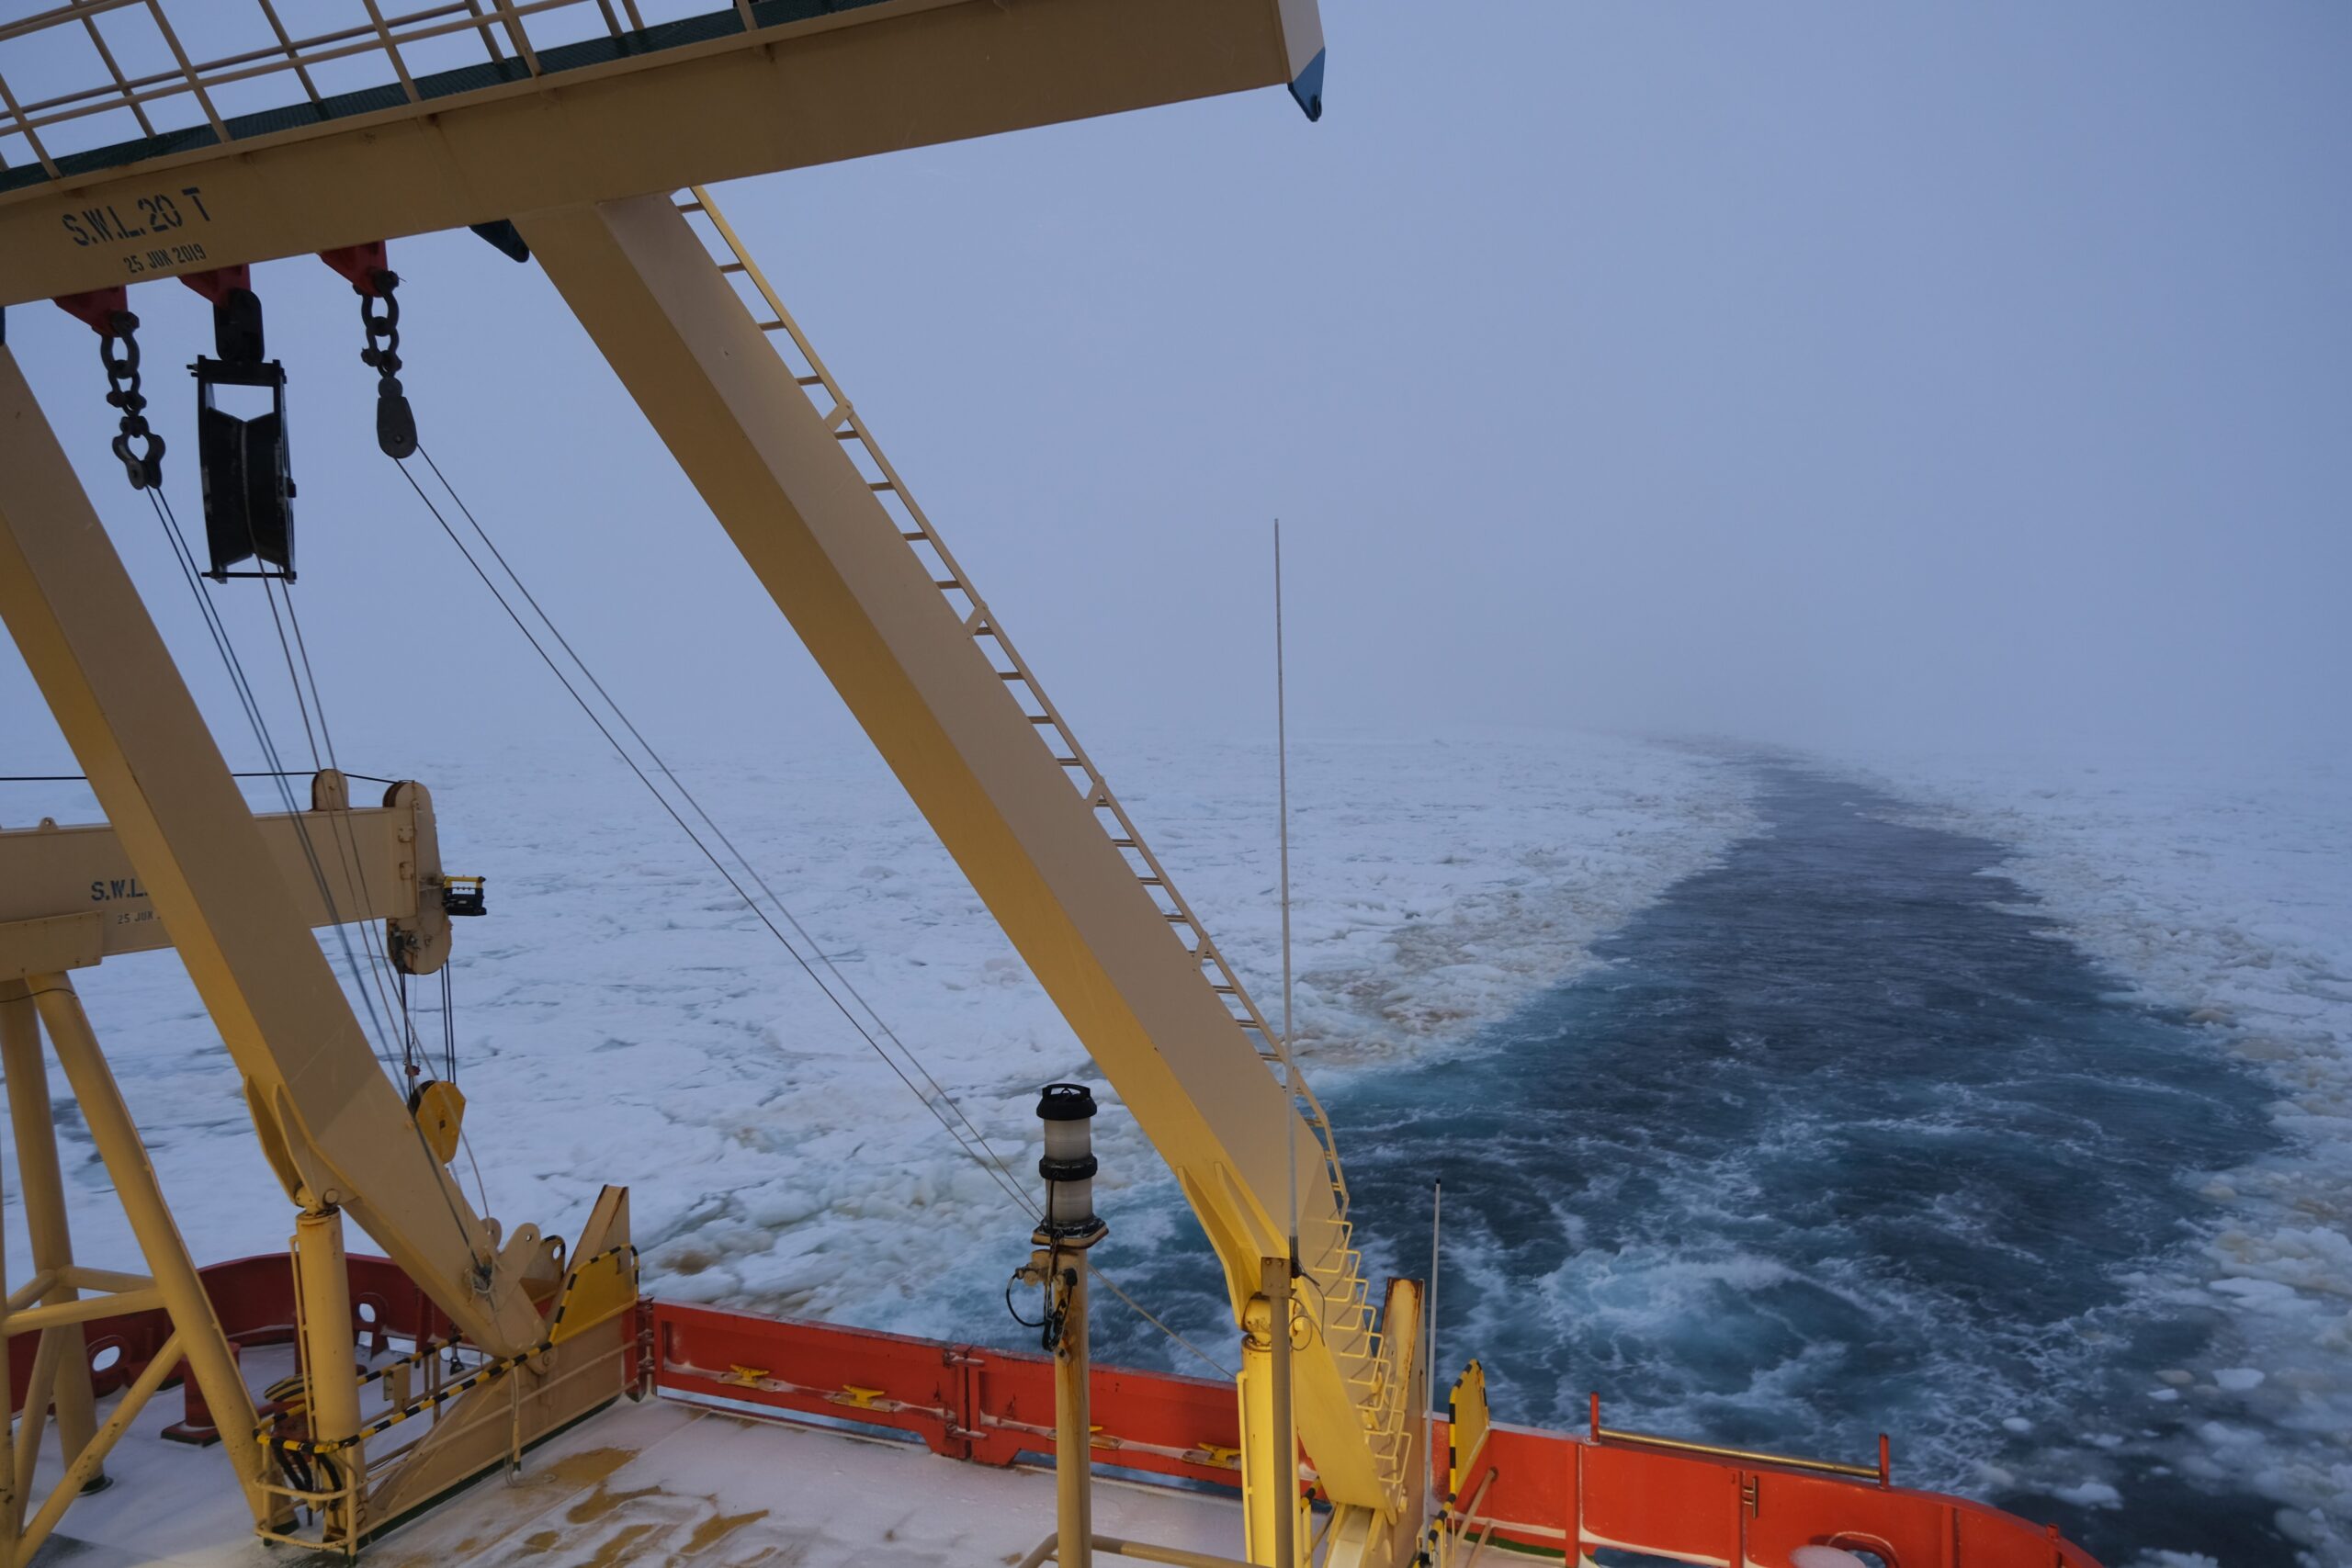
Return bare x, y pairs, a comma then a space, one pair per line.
1843, 1139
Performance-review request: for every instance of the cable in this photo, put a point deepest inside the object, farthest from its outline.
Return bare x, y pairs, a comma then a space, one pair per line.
226, 647
338, 822
996, 1166
481, 1190
448, 1029
1112, 1285
278, 773
992, 1164
85, 778
695, 805
1013, 1312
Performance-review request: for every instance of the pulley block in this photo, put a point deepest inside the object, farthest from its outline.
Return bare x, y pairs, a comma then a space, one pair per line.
243, 459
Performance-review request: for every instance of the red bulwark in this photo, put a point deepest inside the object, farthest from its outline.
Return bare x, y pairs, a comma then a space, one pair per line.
1544, 1490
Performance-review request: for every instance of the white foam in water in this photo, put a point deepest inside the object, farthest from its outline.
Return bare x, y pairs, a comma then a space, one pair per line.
2222, 886
622, 1018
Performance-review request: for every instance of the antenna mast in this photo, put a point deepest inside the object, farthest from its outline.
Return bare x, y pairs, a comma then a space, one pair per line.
1285, 1429
1281, 786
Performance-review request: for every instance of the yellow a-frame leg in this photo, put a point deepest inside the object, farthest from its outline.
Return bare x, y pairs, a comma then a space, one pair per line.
174, 1283
913, 669
44, 1190
329, 1120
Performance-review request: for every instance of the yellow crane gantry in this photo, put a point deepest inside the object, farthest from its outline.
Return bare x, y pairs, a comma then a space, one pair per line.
581, 147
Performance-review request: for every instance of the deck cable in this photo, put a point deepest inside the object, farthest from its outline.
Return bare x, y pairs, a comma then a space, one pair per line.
990, 1162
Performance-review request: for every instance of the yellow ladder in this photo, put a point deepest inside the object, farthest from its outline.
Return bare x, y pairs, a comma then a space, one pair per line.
1344, 1299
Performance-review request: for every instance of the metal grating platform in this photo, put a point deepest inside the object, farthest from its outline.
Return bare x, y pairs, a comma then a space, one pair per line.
45, 131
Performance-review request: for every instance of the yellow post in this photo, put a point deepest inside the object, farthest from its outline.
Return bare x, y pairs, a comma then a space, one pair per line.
11, 1505
330, 1361
1283, 1431
1259, 1465
1268, 1431
1073, 1427
52, 1244
1067, 1229
108, 1119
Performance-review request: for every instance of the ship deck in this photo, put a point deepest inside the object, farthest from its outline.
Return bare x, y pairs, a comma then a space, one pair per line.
661, 1482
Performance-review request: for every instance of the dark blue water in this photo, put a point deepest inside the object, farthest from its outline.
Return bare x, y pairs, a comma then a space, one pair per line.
1843, 1139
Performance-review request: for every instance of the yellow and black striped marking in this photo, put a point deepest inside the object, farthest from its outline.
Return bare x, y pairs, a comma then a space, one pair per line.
490, 1371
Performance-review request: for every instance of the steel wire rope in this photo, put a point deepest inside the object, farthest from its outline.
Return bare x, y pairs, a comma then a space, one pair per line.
717, 865
379, 963
719, 832
380, 973
339, 826
278, 773
338, 821
991, 1164
1144, 1312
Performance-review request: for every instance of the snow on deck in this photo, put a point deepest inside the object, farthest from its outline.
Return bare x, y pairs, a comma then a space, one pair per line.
661, 1482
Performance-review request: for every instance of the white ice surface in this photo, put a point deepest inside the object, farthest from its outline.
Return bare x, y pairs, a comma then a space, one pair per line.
622, 1018
2220, 885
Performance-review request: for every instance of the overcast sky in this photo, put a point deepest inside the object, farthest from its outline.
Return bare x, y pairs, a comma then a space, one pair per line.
1851, 374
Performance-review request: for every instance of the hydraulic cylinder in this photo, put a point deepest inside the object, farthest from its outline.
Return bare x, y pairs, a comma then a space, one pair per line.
330, 1353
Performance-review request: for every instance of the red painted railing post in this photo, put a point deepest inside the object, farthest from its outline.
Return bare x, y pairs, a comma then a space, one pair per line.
963, 1402
1576, 1502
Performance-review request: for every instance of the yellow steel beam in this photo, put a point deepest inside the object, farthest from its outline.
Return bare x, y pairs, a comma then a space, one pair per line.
43, 1185
172, 1272
328, 1117
872, 79
812, 529
368, 868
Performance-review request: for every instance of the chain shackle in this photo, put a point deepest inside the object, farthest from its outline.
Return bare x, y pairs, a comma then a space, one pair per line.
379, 317
136, 447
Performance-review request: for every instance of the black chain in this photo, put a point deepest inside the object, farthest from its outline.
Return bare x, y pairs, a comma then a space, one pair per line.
118, 351
379, 314
384, 324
